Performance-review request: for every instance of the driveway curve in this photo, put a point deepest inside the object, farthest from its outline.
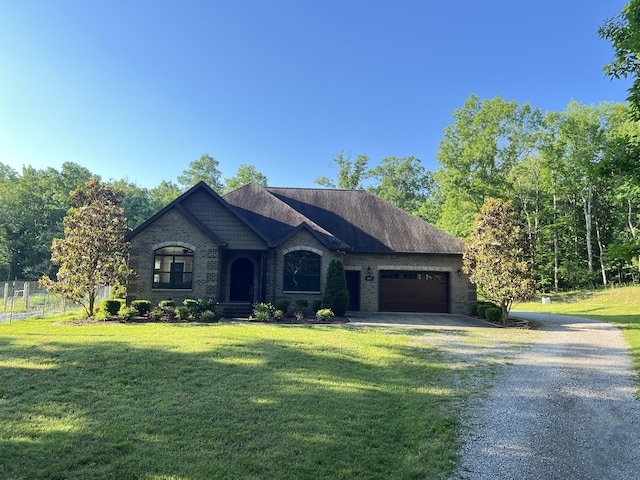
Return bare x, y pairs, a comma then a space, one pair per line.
565, 408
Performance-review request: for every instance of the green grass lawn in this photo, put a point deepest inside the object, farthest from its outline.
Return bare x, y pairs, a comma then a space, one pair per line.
237, 401
619, 306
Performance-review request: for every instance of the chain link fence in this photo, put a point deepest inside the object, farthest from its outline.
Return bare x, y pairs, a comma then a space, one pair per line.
27, 299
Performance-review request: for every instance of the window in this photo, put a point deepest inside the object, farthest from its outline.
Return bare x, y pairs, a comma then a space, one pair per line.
172, 268
302, 271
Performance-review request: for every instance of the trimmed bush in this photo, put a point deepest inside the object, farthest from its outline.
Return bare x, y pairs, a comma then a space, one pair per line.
324, 314
192, 305
316, 305
111, 307
282, 304
167, 303
336, 295
129, 313
142, 306
482, 307
474, 309
183, 313
302, 303
493, 314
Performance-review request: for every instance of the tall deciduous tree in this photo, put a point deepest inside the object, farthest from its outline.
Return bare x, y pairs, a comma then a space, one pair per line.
402, 181
93, 251
163, 195
623, 31
204, 169
245, 174
495, 256
350, 173
477, 153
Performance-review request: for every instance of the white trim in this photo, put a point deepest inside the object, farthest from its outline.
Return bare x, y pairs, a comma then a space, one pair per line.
302, 247
157, 246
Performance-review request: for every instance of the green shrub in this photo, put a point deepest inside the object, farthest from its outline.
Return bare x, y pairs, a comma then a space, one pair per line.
142, 306
128, 313
199, 306
208, 316
316, 305
493, 314
324, 314
263, 311
167, 303
474, 309
282, 304
183, 313
278, 314
191, 304
336, 295
302, 303
111, 307
156, 314
482, 308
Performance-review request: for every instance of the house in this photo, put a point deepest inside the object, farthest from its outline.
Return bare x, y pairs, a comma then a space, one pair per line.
265, 243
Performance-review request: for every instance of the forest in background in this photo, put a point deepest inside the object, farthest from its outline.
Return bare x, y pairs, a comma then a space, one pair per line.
563, 171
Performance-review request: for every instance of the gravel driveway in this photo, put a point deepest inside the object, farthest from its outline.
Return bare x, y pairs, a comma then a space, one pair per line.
565, 408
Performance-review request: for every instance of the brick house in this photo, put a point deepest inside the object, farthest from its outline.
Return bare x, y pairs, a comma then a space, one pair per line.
264, 243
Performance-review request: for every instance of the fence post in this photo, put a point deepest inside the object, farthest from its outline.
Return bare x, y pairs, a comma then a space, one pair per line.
6, 295
25, 295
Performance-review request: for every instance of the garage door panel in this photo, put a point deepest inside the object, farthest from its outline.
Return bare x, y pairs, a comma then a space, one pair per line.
402, 291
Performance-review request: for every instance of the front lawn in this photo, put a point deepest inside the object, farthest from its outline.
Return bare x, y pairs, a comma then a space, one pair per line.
189, 401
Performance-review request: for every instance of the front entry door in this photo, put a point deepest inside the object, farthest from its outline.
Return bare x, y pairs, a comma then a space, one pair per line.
241, 285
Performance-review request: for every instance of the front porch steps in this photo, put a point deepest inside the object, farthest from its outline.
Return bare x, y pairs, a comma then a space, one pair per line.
235, 310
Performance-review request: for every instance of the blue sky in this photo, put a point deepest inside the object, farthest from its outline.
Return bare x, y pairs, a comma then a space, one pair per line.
137, 89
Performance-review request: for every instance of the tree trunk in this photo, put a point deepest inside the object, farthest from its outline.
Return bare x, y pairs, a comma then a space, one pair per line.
587, 202
602, 250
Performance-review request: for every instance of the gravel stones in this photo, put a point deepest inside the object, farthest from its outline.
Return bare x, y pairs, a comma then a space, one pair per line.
565, 408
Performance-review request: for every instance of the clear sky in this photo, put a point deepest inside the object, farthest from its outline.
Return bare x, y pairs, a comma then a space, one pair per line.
137, 89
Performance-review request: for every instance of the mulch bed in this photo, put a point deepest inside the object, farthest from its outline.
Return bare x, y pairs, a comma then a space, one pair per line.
511, 323
308, 320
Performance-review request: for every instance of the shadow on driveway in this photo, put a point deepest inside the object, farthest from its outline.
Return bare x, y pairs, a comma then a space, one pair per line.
414, 320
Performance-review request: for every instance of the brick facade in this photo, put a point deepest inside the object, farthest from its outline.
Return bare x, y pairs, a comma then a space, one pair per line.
173, 228
218, 237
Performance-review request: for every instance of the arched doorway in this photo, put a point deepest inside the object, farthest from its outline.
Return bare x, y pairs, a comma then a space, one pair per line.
241, 284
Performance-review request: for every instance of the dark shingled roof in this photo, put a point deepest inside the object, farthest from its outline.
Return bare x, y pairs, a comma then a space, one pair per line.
355, 219
274, 218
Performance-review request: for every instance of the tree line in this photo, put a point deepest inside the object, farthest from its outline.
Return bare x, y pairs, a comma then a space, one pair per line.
579, 211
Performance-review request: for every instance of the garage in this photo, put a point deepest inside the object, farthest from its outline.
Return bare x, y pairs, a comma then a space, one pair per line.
413, 291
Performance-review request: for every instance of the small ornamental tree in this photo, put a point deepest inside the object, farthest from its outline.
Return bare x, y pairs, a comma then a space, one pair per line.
336, 295
93, 251
494, 256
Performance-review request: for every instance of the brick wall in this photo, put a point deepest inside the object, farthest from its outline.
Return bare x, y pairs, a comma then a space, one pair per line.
173, 228
461, 291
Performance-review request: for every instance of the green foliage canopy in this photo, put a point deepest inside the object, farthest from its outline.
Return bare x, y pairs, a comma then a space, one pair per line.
495, 256
93, 251
245, 174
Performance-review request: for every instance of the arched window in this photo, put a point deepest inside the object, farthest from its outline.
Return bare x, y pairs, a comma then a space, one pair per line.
173, 268
302, 271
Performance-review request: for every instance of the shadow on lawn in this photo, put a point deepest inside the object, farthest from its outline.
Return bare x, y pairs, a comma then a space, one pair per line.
238, 408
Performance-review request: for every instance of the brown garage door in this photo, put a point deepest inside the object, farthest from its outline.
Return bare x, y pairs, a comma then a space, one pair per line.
402, 291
